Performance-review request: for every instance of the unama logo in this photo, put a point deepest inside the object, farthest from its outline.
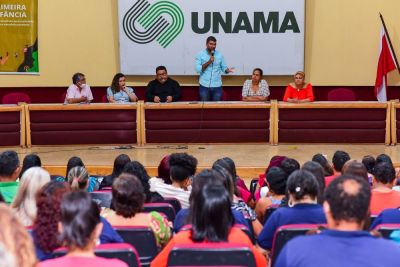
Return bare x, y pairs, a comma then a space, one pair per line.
161, 21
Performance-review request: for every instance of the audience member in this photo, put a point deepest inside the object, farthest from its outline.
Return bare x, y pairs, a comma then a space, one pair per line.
15, 240
275, 161
275, 180
318, 173
383, 197
24, 204
9, 172
299, 91
387, 216
321, 159
369, 163
78, 178
137, 169
119, 164
31, 160
127, 200
163, 170
302, 187
78, 91
200, 180
93, 184
118, 92
354, 167
163, 88
346, 208
338, 161
80, 229
212, 221
255, 89
182, 168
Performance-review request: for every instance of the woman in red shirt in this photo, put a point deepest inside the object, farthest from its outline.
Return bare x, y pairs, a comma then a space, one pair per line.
299, 92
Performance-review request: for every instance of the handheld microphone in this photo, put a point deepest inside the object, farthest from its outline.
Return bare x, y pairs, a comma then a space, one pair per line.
212, 53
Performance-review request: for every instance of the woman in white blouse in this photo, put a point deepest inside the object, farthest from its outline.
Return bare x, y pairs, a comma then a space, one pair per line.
255, 89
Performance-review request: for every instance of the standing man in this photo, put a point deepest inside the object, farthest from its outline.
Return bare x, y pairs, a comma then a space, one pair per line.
210, 64
163, 88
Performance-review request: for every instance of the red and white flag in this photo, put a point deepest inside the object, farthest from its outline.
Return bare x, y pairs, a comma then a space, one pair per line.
386, 64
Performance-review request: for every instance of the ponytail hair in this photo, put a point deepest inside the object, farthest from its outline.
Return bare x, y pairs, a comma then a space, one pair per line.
302, 183
78, 178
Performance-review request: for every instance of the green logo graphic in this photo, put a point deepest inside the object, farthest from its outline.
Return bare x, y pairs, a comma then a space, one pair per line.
153, 21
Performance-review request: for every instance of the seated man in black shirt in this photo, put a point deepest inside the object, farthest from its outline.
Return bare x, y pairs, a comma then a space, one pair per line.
163, 88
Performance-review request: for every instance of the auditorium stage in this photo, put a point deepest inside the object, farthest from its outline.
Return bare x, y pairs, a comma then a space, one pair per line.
250, 159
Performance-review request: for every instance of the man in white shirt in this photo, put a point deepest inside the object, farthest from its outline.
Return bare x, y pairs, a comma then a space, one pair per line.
78, 91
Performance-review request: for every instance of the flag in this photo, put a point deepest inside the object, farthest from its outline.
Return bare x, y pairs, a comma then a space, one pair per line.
386, 64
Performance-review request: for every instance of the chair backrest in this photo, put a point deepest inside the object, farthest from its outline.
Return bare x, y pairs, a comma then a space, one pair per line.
211, 254
165, 208
63, 96
104, 99
142, 238
102, 197
15, 98
387, 229
224, 96
174, 202
253, 186
341, 94
285, 233
122, 251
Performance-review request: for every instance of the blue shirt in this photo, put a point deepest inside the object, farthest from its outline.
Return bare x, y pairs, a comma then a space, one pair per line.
387, 216
211, 76
180, 219
121, 96
299, 214
333, 248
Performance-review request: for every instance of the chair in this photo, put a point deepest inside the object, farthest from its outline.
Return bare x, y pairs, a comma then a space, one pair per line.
211, 254
63, 97
253, 186
286, 233
164, 208
104, 99
102, 197
15, 98
387, 229
224, 96
174, 202
341, 94
122, 251
142, 238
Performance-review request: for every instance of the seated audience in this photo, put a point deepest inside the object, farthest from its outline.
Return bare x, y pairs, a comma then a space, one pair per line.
119, 164
275, 180
24, 204
302, 208
383, 197
31, 160
338, 161
369, 163
15, 241
127, 201
137, 169
182, 168
93, 185
199, 181
163, 88
344, 244
118, 92
212, 221
318, 173
275, 161
255, 89
299, 91
80, 229
354, 167
288, 165
321, 159
9, 172
387, 216
78, 178
163, 170
45, 229
78, 91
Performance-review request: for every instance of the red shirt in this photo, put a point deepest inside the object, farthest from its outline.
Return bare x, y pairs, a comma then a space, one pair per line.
292, 92
236, 236
72, 261
384, 200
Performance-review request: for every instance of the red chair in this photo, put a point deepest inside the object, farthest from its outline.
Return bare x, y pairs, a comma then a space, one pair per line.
122, 251
63, 96
386, 229
142, 238
341, 94
224, 96
174, 202
15, 98
104, 99
211, 254
286, 233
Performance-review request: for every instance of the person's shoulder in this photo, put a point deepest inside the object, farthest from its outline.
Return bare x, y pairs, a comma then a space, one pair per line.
291, 85
72, 87
152, 82
173, 81
247, 81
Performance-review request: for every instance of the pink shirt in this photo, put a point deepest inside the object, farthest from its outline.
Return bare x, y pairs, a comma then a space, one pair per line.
82, 261
74, 92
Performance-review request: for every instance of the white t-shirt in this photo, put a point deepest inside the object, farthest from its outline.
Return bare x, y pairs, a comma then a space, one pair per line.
167, 190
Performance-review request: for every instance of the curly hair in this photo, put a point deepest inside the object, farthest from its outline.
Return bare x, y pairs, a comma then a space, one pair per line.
48, 201
127, 195
182, 166
137, 169
16, 239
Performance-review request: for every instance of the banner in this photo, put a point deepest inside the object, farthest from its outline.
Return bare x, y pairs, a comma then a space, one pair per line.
268, 34
19, 36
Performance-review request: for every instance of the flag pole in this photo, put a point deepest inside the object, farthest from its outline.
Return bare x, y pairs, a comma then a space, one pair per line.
390, 43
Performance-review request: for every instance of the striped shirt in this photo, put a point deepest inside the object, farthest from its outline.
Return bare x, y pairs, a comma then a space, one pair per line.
263, 89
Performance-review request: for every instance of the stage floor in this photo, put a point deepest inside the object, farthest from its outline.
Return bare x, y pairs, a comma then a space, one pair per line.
244, 155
